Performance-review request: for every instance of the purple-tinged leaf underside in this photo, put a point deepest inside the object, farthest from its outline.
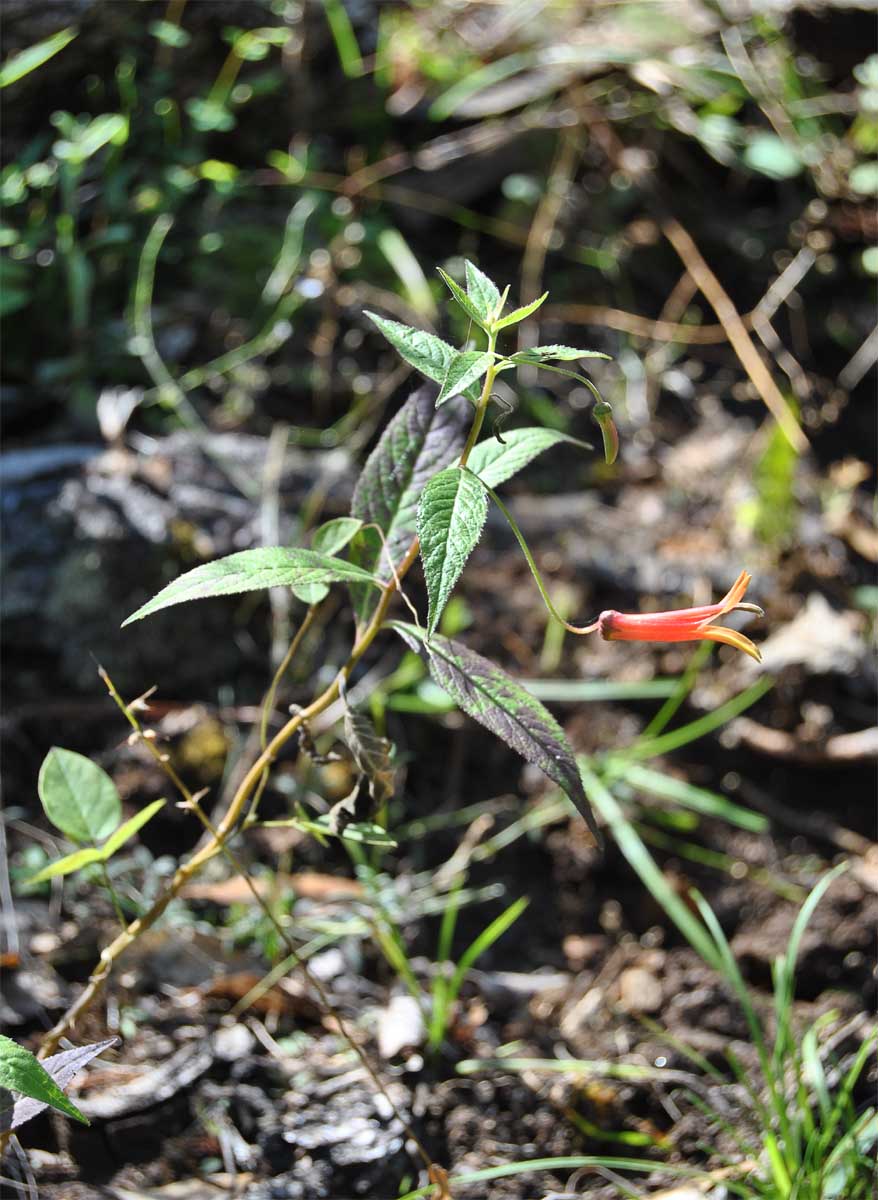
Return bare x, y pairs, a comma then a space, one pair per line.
417, 443
487, 694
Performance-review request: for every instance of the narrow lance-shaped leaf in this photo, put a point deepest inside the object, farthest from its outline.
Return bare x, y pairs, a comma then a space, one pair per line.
465, 369
519, 314
500, 703
78, 796
494, 462
555, 354
482, 291
417, 443
251, 570
463, 299
451, 517
84, 858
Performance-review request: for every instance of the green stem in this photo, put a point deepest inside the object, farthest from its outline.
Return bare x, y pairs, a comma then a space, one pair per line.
578, 629
114, 896
482, 406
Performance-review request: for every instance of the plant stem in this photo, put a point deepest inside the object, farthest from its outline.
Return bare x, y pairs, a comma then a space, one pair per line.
114, 896
238, 804
482, 406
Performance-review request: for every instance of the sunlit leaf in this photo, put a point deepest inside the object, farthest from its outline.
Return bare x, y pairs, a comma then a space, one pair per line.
494, 461
251, 570
78, 796
482, 291
451, 517
464, 369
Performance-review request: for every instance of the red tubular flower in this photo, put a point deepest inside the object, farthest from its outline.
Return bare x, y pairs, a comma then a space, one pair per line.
684, 624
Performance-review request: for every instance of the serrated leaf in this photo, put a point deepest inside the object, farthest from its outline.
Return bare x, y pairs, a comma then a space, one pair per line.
483, 292
127, 830
78, 797
494, 462
333, 536
462, 299
60, 1069
465, 369
424, 351
500, 703
556, 354
451, 517
519, 314
251, 570
419, 441
21, 1072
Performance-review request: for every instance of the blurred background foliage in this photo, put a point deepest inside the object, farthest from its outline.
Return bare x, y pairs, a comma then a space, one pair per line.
276, 164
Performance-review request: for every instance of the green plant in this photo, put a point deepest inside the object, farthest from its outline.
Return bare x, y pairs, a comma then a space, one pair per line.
424, 491
808, 1140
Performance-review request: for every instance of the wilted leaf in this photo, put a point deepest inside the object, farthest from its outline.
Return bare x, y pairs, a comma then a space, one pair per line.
251, 570
451, 516
372, 754
419, 441
500, 703
78, 797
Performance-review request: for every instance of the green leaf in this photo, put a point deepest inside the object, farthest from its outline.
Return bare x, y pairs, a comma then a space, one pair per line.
250, 570
78, 797
484, 294
333, 536
419, 441
60, 1068
494, 462
424, 351
330, 538
67, 865
21, 1072
464, 370
555, 353
126, 831
519, 314
84, 858
451, 517
463, 299
500, 703
28, 60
